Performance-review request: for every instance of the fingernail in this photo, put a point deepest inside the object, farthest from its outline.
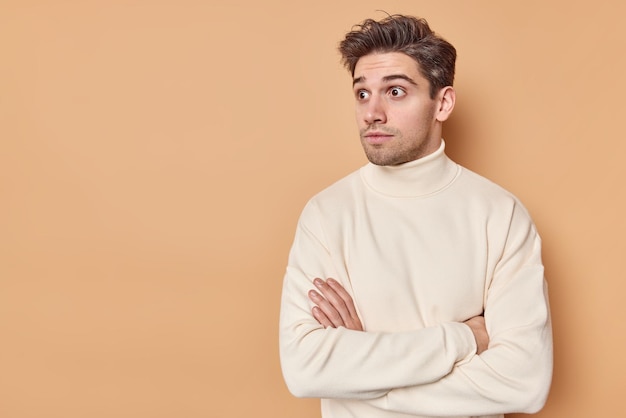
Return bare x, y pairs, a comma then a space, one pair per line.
313, 294
331, 281
318, 282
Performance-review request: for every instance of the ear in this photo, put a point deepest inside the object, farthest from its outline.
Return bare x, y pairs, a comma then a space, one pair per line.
446, 99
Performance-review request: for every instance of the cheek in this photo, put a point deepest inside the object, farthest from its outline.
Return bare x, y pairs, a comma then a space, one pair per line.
408, 121
416, 118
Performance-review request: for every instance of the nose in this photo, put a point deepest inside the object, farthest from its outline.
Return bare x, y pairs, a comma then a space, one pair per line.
374, 111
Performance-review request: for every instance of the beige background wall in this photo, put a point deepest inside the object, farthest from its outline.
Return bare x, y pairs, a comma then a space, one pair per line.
155, 155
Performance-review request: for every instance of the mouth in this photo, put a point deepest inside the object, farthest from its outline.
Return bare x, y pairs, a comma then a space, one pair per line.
376, 138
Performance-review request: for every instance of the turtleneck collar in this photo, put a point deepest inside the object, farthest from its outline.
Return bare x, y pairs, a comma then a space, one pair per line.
424, 176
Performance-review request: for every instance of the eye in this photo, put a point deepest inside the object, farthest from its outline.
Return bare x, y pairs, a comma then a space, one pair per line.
397, 92
362, 94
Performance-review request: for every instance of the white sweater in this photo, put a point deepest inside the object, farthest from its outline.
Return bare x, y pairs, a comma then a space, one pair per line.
421, 248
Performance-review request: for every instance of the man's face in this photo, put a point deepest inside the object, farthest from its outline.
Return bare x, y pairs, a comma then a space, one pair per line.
397, 119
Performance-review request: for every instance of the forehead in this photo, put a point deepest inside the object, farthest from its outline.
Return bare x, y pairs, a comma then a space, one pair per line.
378, 65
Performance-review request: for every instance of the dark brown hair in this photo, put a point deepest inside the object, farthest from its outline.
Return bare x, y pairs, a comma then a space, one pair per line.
407, 34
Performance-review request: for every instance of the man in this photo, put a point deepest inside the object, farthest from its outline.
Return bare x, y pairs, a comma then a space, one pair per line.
430, 297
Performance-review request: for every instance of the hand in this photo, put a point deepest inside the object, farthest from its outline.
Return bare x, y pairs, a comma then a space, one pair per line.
336, 307
477, 325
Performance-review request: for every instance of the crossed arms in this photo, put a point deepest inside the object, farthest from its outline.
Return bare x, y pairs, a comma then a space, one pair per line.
336, 309
497, 364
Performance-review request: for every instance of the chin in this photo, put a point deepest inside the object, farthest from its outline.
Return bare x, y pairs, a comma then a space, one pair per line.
384, 160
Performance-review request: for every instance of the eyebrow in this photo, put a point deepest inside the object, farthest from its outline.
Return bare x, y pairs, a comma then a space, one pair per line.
387, 78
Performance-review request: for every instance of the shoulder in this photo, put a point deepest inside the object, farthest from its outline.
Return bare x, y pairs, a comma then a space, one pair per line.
340, 192
483, 192
477, 186
333, 200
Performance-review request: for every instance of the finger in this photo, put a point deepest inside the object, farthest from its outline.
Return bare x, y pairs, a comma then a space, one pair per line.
334, 318
348, 301
321, 317
334, 299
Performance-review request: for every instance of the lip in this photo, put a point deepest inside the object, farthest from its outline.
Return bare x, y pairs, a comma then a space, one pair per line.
376, 138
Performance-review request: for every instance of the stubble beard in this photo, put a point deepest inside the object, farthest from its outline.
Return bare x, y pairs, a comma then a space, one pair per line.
379, 154
393, 152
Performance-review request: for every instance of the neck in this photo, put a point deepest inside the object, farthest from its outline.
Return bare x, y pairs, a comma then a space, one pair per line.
421, 177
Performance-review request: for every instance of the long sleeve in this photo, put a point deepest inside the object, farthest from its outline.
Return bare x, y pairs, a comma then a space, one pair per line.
341, 363
514, 374
421, 247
